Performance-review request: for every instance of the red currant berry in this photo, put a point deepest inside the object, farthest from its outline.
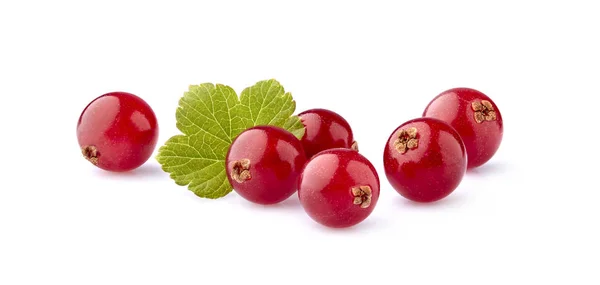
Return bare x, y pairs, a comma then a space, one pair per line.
425, 159
263, 164
338, 188
475, 117
325, 129
117, 131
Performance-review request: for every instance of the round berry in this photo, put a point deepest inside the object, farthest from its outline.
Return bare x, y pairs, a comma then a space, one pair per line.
325, 129
425, 159
263, 164
117, 131
474, 116
338, 188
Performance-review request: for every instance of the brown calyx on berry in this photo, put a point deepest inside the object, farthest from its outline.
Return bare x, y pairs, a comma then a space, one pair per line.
240, 170
90, 153
354, 146
407, 139
484, 111
362, 196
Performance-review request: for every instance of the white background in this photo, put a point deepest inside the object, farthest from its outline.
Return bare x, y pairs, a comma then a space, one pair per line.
527, 217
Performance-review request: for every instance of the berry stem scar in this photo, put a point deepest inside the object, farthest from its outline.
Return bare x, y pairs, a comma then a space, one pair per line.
240, 170
90, 153
484, 111
407, 139
362, 196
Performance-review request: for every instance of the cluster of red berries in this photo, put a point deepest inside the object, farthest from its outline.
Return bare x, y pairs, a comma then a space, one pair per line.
336, 185
425, 159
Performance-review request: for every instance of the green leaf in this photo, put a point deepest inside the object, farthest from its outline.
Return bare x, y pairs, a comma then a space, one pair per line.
210, 117
197, 158
295, 126
267, 103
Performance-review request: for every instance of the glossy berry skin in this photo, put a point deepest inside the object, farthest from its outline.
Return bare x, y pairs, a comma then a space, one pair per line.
479, 126
325, 129
263, 164
425, 160
338, 188
117, 131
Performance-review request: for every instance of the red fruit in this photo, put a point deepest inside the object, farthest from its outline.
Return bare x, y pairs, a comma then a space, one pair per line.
339, 188
325, 129
263, 164
475, 117
117, 131
425, 159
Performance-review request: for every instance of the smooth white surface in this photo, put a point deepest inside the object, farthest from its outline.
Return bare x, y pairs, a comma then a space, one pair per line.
527, 217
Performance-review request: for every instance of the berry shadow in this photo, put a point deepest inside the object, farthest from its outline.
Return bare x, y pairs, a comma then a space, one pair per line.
148, 170
292, 203
453, 200
494, 168
371, 224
